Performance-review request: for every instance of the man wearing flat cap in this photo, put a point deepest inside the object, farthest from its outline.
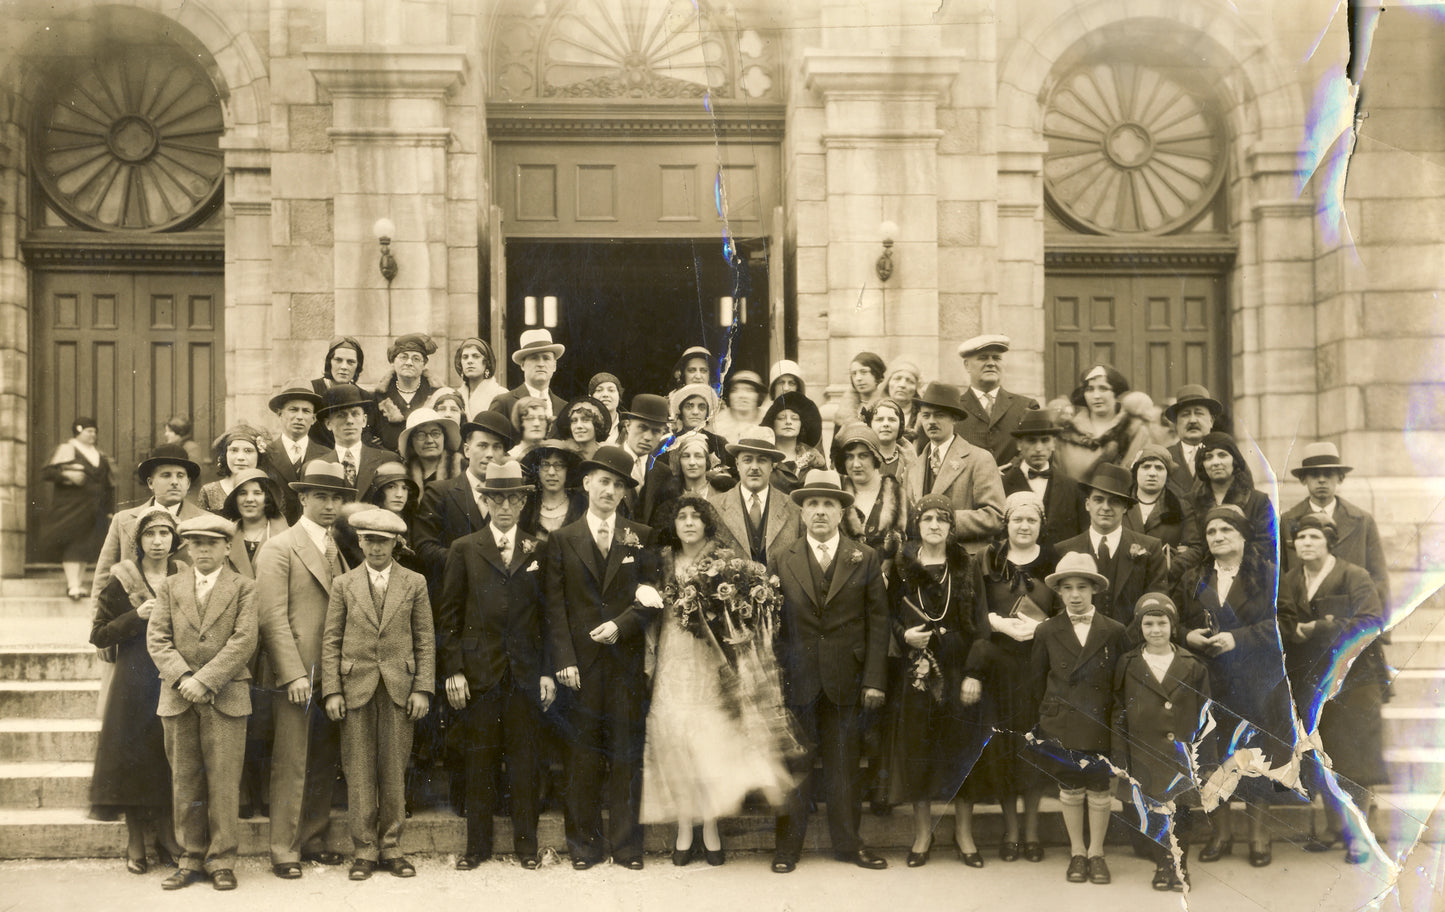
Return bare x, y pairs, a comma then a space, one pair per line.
378, 661
202, 635
758, 519
949, 465
1194, 413
404, 388
294, 574
169, 473
600, 597
991, 412
1132, 563
832, 647
1357, 537
537, 355
289, 451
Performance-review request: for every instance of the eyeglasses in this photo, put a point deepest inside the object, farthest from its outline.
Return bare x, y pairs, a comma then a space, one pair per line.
411, 358
511, 500
554, 465
431, 433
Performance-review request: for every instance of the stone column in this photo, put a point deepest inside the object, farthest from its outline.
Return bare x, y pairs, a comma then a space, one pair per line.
390, 136
880, 140
248, 280
14, 345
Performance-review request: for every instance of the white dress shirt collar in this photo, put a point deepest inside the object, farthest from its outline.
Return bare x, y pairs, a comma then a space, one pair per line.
314, 531
1113, 538
379, 578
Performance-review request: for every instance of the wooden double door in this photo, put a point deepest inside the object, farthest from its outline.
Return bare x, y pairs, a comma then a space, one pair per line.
129, 350
1162, 330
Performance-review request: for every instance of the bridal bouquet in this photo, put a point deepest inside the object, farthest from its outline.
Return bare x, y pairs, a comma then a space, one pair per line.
727, 598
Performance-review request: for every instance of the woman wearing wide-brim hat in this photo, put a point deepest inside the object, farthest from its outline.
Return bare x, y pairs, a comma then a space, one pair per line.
552, 466
431, 447
797, 429
743, 397
404, 387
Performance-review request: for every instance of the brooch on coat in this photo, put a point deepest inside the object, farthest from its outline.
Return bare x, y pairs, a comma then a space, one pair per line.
855, 558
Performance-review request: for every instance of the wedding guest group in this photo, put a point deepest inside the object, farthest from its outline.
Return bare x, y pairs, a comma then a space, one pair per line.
715, 599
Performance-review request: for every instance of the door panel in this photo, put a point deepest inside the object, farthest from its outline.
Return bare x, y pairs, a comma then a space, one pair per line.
1162, 331
129, 351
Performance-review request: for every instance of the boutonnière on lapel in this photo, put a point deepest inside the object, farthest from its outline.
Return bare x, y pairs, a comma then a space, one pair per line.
1137, 551
628, 539
855, 558
528, 546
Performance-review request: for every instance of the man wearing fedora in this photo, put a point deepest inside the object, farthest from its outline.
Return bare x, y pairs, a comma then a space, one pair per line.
757, 518
378, 668
990, 412
1131, 563
289, 451
344, 413
202, 635
832, 647
949, 465
1194, 413
456, 507
1358, 538
168, 473
1036, 471
600, 598
294, 574
537, 355
493, 661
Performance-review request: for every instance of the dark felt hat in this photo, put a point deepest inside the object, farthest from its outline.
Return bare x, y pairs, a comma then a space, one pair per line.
167, 454
344, 396
612, 458
1193, 394
323, 475
649, 407
1037, 423
941, 395
1111, 479
493, 423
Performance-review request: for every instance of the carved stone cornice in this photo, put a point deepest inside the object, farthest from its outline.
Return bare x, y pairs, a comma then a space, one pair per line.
891, 72
1206, 255
632, 122
385, 70
81, 251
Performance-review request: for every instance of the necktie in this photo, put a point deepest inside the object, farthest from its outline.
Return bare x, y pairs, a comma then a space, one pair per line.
1189, 458
333, 559
1103, 552
988, 404
639, 469
755, 511
298, 452
203, 590
505, 546
349, 465
825, 559
935, 459
477, 496
604, 540
379, 584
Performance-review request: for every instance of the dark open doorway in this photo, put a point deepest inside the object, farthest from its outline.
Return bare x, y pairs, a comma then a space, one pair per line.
631, 307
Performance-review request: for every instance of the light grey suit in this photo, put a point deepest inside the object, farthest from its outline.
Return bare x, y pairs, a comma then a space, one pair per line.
376, 657
970, 478
212, 642
784, 522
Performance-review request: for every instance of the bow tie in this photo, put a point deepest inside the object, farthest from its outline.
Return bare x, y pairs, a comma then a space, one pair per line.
1082, 620
1040, 473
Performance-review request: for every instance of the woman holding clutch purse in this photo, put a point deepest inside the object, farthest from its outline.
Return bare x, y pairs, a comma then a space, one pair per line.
939, 728
1010, 600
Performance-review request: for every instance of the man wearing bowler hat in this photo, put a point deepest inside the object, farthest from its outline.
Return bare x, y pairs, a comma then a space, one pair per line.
643, 427
456, 506
949, 465
1194, 413
1133, 563
757, 518
1036, 471
991, 412
344, 413
294, 572
169, 473
600, 597
289, 451
832, 647
537, 355
1358, 538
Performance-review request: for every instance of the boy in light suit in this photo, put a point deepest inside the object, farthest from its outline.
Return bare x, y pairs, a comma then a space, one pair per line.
378, 661
202, 636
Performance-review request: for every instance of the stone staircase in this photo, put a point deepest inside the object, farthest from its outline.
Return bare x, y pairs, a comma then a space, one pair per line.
50, 683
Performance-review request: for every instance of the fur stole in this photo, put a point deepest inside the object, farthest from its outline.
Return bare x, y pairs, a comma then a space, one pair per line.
887, 538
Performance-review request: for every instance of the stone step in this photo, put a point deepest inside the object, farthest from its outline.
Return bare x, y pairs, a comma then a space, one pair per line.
1418, 726
1417, 650
39, 606
78, 662
66, 740
49, 699
1416, 770
1427, 618
1418, 687
45, 631
40, 584
45, 784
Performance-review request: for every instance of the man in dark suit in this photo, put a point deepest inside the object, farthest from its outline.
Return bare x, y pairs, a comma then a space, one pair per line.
345, 415
290, 450
832, 647
1194, 413
1133, 563
1064, 515
757, 518
492, 659
991, 412
599, 599
537, 356
454, 507
1321, 472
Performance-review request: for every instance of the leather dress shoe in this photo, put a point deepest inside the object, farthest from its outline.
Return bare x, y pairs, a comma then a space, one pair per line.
632, 864
919, 859
470, 862
864, 858
1262, 857
972, 859
1099, 870
1216, 849
1034, 851
1163, 876
182, 878
398, 866
683, 857
784, 866
714, 857
1008, 851
1078, 870
287, 870
137, 865
531, 862
361, 869
325, 856
223, 879
582, 864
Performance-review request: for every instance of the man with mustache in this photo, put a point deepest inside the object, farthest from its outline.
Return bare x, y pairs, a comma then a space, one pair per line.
1193, 414
949, 465
754, 521
991, 413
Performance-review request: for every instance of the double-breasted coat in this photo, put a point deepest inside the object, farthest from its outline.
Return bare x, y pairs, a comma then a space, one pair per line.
1139, 565
1156, 722
1076, 704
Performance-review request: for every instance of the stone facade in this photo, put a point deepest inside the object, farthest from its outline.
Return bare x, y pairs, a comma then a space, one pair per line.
929, 116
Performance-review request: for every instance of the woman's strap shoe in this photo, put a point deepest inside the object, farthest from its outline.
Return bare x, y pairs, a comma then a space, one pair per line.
1008, 851
1216, 849
1034, 851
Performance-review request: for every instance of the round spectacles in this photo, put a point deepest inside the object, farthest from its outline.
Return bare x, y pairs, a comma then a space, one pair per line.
511, 500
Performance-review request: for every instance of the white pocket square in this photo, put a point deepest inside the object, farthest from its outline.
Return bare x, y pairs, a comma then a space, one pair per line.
628, 560
530, 567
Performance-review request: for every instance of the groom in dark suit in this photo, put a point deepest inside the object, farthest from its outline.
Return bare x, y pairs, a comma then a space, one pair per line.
600, 599
832, 646
1133, 563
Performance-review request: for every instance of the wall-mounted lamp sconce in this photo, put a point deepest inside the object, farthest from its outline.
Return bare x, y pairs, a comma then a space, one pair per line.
884, 266
384, 229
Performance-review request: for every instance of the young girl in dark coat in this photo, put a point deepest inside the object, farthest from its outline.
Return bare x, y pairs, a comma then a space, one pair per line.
1161, 692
